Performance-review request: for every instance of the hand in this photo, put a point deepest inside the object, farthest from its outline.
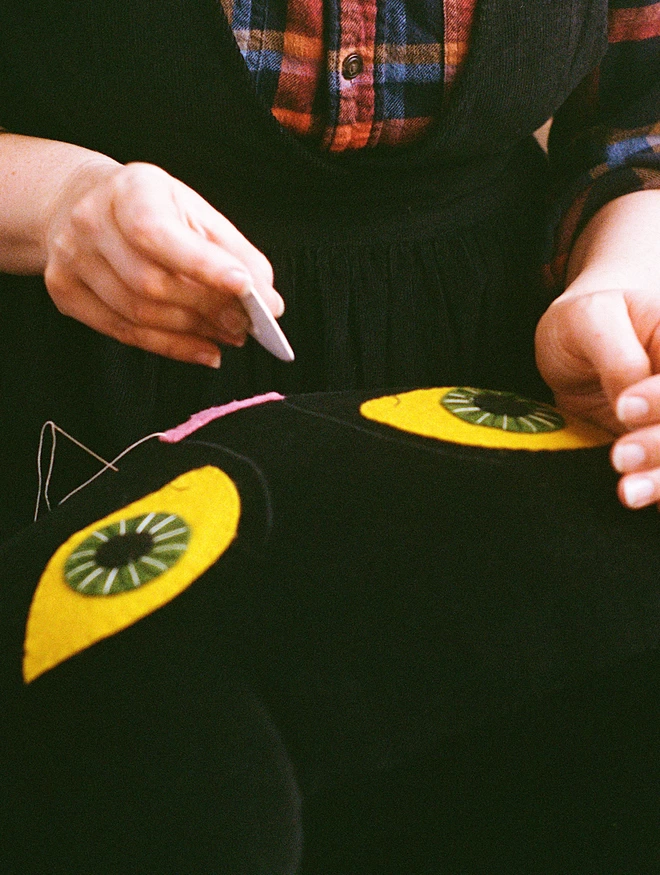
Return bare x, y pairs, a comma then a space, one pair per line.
139, 256
600, 354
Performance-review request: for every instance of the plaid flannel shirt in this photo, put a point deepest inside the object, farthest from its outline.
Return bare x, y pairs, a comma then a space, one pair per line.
376, 72
605, 140
377, 80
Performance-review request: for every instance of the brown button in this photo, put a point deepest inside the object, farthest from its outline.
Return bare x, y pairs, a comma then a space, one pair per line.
353, 65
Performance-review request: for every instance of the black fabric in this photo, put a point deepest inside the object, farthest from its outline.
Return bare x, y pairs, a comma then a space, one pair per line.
215, 793
394, 613
431, 307
173, 69
416, 266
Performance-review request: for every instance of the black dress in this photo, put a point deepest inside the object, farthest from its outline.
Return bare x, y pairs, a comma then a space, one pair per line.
402, 268
409, 267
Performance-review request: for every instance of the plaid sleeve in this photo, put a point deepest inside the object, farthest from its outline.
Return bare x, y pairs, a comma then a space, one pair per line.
605, 140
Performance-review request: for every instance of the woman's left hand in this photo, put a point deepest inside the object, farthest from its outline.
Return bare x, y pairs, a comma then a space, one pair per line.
598, 344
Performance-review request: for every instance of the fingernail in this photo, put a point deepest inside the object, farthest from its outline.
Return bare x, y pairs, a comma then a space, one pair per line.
632, 408
209, 359
279, 305
638, 491
628, 457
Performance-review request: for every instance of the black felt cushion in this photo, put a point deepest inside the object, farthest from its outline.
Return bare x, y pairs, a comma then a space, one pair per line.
384, 592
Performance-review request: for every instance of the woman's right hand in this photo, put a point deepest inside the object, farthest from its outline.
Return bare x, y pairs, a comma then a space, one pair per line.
139, 256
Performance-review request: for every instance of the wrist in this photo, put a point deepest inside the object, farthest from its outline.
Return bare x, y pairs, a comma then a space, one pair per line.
35, 175
91, 171
619, 248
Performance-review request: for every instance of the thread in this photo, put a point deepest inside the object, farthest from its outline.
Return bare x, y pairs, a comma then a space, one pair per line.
43, 484
156, 434
173, 435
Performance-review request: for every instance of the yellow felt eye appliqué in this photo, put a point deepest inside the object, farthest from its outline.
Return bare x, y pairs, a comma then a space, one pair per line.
125, 566
483, 418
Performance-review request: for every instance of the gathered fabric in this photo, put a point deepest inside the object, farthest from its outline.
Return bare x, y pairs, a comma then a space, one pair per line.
400, 267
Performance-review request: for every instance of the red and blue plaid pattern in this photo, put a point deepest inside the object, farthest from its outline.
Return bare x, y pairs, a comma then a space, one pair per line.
458, 15
408, 56
605, 141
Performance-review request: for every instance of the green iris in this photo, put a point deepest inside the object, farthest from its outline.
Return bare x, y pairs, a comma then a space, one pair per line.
127, 554
503, 410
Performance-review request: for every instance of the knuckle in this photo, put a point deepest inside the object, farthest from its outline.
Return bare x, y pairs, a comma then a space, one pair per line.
140, 205
61, 247
138, 312
186, 322
152, 284
578, 310
142, 225
86, 216
627, 361
138, 172
133, 177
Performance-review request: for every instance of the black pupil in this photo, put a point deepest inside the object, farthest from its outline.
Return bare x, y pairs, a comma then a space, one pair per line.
503, 405
122, 549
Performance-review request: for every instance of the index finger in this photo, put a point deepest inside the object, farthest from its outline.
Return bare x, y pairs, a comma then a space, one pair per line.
181, 250
604, 335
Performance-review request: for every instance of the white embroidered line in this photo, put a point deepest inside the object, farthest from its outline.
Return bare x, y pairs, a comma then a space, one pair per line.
110, 580
89, 578
134, 575
162, 523
79, 554
155, 563
172, 534
542, 420
83, 567
145, 522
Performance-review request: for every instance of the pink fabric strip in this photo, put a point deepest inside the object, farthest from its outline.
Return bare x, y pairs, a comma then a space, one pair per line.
197, 420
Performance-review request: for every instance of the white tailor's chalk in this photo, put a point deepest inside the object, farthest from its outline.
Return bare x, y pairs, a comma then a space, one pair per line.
264, 327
